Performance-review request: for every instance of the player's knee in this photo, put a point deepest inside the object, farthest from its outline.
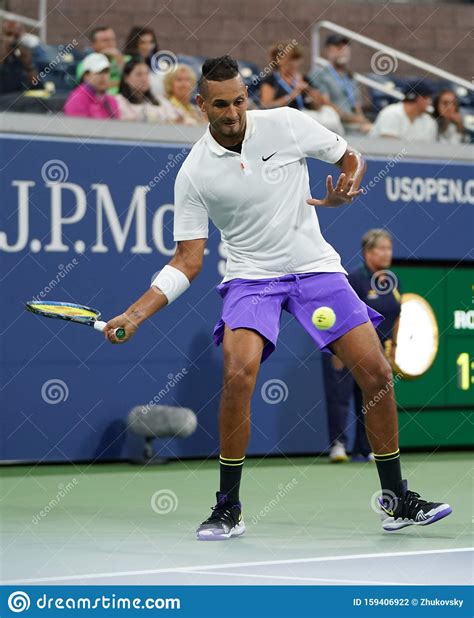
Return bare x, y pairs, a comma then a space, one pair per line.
377, 378
239, 378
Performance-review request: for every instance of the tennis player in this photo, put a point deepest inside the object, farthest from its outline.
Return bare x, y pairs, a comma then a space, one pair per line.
248, 174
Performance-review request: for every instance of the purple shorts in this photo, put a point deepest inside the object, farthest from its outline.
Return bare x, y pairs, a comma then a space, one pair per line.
257, 304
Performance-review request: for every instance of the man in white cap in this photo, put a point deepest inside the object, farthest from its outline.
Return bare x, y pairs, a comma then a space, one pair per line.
90, 98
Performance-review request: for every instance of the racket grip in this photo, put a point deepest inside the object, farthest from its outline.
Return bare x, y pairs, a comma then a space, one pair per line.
100, 326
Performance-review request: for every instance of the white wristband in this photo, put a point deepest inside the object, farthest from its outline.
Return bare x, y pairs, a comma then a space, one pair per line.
172, 282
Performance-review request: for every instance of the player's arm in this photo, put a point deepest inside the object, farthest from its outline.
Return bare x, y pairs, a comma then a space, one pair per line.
170, 283
353, 167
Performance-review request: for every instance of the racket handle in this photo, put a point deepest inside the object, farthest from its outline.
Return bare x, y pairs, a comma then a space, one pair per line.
100, 326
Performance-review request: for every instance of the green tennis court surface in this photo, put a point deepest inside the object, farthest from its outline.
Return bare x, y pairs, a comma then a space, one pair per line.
308, 522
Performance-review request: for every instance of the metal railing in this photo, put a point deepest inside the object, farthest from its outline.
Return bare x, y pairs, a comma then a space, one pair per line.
390, 51
39, 24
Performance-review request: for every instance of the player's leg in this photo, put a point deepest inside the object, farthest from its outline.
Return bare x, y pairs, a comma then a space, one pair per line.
242, 356
362, 354
362, 450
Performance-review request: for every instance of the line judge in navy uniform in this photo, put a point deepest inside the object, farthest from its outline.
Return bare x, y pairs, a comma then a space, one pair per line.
378, 287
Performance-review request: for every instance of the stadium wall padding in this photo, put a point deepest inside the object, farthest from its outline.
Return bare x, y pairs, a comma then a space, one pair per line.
65, 393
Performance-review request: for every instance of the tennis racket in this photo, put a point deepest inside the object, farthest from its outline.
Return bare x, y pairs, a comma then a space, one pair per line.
73, 313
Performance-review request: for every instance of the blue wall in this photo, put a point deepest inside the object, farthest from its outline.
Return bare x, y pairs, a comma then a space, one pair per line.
50, 179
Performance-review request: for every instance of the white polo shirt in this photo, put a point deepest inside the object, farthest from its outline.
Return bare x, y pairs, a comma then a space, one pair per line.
257, 198
393, 121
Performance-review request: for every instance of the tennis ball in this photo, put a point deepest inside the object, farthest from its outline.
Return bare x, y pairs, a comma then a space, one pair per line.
323, 318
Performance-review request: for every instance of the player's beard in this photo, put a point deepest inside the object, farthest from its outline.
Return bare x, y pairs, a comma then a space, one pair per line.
227, 130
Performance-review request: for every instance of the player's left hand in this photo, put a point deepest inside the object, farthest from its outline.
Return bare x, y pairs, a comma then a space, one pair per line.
342, 193
121, 321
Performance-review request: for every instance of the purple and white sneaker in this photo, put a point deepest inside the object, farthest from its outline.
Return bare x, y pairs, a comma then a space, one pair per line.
225, 521
408, 509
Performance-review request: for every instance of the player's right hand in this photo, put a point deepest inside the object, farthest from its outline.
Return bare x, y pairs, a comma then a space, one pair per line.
121, 321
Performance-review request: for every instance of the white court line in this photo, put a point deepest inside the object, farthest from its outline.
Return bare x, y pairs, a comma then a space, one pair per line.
235, 565
307, 579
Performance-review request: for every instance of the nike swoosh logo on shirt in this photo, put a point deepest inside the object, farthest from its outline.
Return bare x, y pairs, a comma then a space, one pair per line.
266, 158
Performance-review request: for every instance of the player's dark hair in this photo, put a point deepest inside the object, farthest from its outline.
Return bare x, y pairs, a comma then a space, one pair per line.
217, 70
93, 32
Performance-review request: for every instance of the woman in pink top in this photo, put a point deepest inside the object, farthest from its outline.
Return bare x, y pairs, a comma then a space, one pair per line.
90, 98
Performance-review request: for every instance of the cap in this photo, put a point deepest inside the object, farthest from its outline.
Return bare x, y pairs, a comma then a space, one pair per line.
417, 89
337, 39
95, 63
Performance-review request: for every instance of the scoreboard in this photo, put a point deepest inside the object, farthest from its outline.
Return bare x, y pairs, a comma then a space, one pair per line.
438, 406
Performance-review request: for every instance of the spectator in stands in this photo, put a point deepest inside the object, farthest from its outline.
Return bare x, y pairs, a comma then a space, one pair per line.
179, 85
317, 106
337, 82
285, 84
448, 118
17, 72
104, 41
408, 119
137, 102
142, 41
90, 98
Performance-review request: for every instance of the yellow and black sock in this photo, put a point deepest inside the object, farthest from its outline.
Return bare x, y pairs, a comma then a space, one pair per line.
388, 467
231, 474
